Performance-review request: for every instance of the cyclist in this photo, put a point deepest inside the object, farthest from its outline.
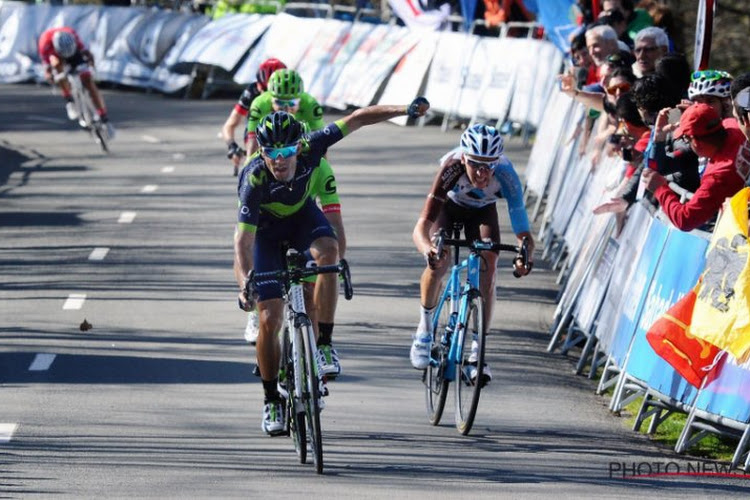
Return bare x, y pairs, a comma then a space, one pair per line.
62, 46
472, 177
276, 206
285, 93
240, 110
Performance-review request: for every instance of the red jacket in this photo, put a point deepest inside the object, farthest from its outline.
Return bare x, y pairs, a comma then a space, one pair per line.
721, 180
46, 48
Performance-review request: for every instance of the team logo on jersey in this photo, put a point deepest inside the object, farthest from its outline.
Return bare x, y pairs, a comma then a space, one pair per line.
330, 185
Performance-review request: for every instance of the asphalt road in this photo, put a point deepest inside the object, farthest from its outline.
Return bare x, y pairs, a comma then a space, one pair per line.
158, 399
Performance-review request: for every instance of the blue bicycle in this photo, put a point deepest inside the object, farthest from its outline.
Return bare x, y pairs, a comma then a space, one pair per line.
459, 319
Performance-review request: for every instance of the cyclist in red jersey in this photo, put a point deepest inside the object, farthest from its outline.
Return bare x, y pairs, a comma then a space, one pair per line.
59, 47
240, 110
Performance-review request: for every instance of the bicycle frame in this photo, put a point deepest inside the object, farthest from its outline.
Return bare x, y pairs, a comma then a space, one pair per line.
84, 104
297, 320
458, 294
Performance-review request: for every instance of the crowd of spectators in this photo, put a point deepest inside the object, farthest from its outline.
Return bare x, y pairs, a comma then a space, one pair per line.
682, 135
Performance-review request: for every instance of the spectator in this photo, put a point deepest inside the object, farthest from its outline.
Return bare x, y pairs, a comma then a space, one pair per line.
601, 42
702, 128
637, 19
616, 19
676, 69
740, 93
713, 88
663, 18
584, 69
652, 94
651, 44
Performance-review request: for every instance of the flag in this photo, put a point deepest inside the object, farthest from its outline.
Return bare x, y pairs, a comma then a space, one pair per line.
670, 337
559, 20
722, 308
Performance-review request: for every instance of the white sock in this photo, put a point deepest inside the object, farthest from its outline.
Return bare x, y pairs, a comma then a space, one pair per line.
425, 319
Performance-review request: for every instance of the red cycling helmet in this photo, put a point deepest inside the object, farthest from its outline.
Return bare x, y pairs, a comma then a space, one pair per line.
266, 69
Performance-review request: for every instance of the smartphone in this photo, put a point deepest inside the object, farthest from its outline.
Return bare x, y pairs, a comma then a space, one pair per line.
674, 115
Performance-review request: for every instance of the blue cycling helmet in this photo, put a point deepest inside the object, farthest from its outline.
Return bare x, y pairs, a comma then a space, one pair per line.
64, 43
482, 140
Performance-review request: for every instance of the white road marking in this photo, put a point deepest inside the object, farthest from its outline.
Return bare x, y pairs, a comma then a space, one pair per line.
168, 169
149, 188
98, 253
74, 301
41, 362
178, 156
151, 139
7, 431
47, 119
126, 217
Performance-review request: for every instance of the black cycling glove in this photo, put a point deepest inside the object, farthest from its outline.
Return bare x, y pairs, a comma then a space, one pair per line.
413, 109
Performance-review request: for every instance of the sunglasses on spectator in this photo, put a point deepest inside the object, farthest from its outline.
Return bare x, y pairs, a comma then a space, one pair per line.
286, 103
480, 165
285, 152
709, 74
622, 87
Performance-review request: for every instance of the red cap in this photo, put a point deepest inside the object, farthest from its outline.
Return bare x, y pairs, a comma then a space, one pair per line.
699, 120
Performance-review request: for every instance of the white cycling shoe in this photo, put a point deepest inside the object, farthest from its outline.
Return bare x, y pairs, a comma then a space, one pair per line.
420, 350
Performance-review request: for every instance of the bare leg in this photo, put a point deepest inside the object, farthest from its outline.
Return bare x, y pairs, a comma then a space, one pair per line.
268, 351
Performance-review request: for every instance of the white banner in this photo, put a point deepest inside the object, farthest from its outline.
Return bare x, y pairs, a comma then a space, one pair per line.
370, 65
596, 284
497, 76
630, 243
548, 65
448, 70
164, 78
277, 42
551, 132
523, 93
417, 18
313, 65
225, 41
332, 67
406, 79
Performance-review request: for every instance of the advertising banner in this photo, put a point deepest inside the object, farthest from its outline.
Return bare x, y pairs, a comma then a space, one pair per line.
676, 274
636, 290
313, 66
728, 395
448, 71
276, 42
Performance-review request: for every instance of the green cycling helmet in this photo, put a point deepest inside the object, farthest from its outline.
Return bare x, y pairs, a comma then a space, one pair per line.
285, 84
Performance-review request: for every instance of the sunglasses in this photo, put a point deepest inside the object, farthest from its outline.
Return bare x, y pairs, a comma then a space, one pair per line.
286, 103
622, 87
285, 152
709, 75
480, 165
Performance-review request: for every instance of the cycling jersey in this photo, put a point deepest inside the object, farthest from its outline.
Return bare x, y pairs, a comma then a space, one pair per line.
309, 111
47, 48
262, 196
452, 183
246, 99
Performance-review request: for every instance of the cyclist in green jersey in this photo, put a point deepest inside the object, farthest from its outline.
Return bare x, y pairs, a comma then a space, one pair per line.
285, 93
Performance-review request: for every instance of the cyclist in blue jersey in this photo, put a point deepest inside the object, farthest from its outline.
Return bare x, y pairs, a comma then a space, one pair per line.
277, 206
471, 179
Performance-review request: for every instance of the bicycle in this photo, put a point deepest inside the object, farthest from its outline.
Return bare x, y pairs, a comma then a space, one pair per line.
460, 310
87, 116
298, 370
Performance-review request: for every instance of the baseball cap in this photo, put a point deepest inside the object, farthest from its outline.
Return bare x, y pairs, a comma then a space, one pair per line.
699, 120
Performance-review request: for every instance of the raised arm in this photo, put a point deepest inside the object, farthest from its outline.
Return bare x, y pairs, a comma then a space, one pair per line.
376, 114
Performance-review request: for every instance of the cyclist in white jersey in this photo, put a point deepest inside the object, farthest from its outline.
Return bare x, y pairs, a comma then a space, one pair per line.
471, 179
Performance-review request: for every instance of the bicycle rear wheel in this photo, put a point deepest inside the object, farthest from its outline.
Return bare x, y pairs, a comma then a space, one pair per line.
436, 385
469, 373
312, 398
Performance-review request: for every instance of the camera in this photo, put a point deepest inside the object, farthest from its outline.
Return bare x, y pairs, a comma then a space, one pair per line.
615, 139
627, 154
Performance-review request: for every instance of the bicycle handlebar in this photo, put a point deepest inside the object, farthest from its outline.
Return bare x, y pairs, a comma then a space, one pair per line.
522, 252
296, 273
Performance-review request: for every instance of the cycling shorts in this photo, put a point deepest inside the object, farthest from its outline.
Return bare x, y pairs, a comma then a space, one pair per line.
78, 64
479, 223
296, 231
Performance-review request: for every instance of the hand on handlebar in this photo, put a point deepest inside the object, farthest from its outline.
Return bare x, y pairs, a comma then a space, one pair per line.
524, 261
247, 298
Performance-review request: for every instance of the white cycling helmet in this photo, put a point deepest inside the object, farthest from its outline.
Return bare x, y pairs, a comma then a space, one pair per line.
64, 43
710, 83
482, 140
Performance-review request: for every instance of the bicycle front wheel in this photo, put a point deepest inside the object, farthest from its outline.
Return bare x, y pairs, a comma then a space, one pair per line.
470, 368
295, 419
312, 398
436, 385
